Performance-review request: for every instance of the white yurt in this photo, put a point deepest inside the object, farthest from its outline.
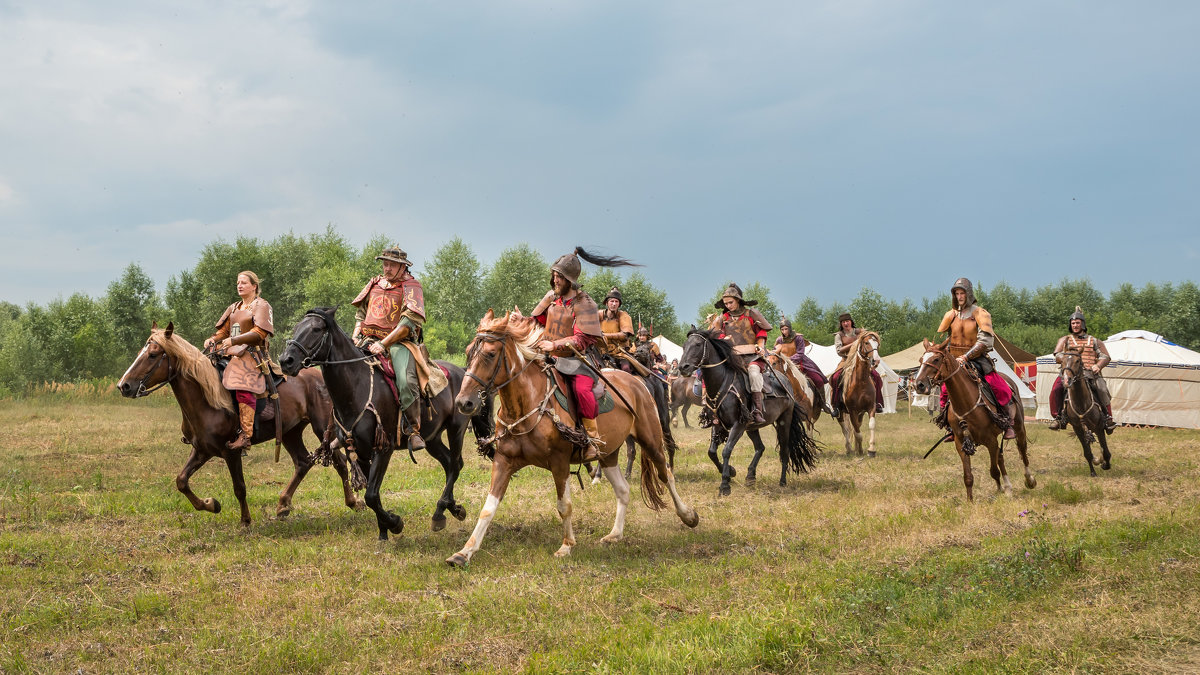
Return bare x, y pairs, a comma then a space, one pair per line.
827, 360
1152, 381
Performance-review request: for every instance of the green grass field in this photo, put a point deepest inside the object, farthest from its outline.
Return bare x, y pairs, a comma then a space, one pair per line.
866, 565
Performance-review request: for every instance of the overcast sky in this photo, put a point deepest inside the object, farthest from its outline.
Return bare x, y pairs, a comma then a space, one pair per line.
816, 147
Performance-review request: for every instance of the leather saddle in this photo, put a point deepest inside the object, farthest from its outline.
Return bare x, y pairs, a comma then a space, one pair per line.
277, 376
775, 384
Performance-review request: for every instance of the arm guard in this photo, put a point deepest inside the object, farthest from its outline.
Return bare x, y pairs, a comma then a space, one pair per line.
981, 347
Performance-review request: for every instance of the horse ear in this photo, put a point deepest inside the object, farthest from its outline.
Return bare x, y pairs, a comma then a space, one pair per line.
154, 325
517, 310
926, 343
490, 315
170, 329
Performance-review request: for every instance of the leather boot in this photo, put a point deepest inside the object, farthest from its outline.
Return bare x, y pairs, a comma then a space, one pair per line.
696, 385
592, 454
1009, 433
757, 416
245, 431
1059, 422
413, 416
1109, 424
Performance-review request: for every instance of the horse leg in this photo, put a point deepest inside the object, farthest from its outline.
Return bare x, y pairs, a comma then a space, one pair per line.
388, 521
1081, 432
968, 475
1018, 416
759, 447
342, 465
301, 463
451, 465
683, 413
783, 425
847, 431
998, 470
871, 434
562, 485
656, 472
502, 471
726, 470
195, 461
233, 460
621, 490
631, 451
1106, 463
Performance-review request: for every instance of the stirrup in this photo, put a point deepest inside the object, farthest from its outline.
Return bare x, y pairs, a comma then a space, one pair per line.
1059, 422
240, 442
415, 442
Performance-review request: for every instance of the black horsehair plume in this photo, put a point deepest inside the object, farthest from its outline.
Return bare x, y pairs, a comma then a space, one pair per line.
604, 260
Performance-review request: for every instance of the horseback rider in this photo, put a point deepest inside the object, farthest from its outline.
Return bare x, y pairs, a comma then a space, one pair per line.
617, 327
843, 340
242, 333
388, 324
747, 329
792, 345
658, 361
971, 338
1095, 358
572, 325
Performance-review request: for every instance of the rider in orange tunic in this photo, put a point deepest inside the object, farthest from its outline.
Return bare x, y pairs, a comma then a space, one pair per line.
971, 338
1095, 357
242, 333
747, 329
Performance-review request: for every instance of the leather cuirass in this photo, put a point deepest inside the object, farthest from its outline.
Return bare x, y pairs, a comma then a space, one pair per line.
1087, 348
740, 331
384, 307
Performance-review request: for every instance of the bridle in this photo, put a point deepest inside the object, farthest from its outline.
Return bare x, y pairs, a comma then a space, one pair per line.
310, 355
171, 373
704, 354
1081, 376
490, 387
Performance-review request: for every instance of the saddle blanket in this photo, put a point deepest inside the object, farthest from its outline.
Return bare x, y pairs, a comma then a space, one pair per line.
605, 403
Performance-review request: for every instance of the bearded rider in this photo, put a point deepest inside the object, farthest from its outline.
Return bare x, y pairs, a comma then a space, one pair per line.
572, 325
242, 333
388, 323
747, 329
971, 338
617, 328
1095, 357
792, 345
843, 340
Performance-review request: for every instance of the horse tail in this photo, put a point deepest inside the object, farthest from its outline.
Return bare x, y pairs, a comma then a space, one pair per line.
653, 485
604, 260
802, 448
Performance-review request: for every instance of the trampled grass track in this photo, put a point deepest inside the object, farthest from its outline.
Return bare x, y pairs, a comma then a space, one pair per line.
864, 565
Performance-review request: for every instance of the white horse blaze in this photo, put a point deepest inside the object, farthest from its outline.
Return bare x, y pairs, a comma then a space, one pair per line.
135, 362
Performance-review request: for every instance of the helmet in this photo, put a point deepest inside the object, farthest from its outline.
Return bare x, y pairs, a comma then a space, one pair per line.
1078, 314
614, 293
734, 291
965, 284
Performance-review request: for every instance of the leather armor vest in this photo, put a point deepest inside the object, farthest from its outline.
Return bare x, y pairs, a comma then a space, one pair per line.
1088, 349
622, 323
384, 307
740, 331
964, 333
241, 320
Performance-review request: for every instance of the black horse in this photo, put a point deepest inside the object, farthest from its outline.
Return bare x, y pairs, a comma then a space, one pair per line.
727, 400
365, 412
661, 394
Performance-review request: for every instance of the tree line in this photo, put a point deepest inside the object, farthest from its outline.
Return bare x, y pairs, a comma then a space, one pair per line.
84, 338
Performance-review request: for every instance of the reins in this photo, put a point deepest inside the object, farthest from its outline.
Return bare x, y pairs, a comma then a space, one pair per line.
171, 375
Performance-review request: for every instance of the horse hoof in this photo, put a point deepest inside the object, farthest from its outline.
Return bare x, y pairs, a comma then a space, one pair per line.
1030, 482
283, 512
563, 551
1106, 466
692, 519
782, 482
610, 539
459, 511
397, 527
359, 504
439, 524
457, 560
750, 481
724, 491
871, 453
213, 505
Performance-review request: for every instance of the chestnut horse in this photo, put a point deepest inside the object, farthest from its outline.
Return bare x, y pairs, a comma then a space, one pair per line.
211, 418
502, 360
858, 391
1084, 413
683, 396
801, 386
969, 417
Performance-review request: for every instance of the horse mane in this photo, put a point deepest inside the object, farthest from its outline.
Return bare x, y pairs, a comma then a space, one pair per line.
724, 348
195, 365
525, 332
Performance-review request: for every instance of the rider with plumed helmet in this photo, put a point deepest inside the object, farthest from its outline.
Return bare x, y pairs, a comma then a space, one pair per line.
389, 319
843, 340
242, 333
747, 329
971, 338
572, 328
1095, 357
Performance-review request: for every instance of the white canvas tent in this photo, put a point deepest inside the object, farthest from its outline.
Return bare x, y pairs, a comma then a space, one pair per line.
1152, 381
827, 360
669, 350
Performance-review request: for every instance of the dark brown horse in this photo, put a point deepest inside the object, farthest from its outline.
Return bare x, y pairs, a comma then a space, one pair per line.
727, 393
1084, 412
683, 397
858, 391
531, 426
969, 417
210, 417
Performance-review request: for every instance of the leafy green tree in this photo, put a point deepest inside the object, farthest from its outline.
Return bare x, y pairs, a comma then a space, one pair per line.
453, 283
132, 305
644, 302
519, 277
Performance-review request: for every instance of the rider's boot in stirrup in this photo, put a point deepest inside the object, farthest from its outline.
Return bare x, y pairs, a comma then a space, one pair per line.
1109, 424
413, 416
757, 416
592, 453
696, 385
245, 429
1059, 422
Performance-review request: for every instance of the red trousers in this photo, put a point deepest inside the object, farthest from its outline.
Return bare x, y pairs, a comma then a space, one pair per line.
245, 398
999, 386
584, 398
1056, 398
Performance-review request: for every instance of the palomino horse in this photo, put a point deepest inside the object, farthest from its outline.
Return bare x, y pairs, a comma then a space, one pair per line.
801, 387
501, 360
365, 412
683, 396
1084, 412
211, 418
727, 396
969, 417
858, 391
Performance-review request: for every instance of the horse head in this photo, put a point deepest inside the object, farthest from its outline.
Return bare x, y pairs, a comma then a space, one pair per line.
501, 346
310, 340
704, 349
868, 347
151, 368
1070, 366
935, 367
